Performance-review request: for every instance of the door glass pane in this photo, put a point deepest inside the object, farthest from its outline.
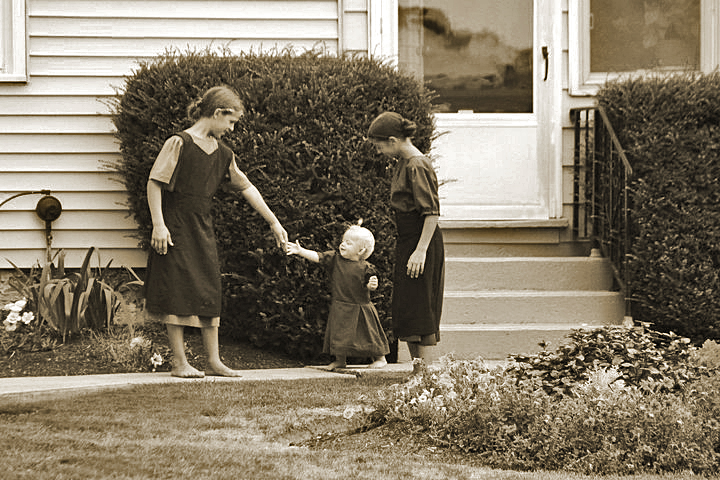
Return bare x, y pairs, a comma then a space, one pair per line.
628, 35
475, 54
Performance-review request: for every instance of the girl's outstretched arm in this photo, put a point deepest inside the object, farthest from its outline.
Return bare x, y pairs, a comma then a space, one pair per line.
253, 197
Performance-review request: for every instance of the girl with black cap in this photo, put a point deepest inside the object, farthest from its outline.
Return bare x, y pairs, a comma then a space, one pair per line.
419, 276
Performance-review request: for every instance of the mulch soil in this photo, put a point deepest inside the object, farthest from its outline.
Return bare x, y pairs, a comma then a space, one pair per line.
80, 357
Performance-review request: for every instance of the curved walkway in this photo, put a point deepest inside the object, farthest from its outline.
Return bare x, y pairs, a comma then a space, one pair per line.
23, 389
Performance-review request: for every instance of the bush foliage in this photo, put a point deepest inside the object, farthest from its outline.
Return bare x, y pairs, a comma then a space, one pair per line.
638, 354
670, 130
302, 144
623, 416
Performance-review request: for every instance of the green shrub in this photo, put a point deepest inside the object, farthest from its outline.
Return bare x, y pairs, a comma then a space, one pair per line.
708, 355
604, 426
639, 355
302, 144
670, 130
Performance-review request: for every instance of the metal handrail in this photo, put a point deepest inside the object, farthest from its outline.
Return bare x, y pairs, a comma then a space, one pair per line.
601, 185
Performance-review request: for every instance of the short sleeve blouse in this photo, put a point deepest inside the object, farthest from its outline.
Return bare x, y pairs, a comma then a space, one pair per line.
415, 187
164, 167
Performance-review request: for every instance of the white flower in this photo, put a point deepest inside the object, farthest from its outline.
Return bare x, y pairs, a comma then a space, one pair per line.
27, 317
21, 303
15, 308
9, 326
156, 360
13, 317
139, 342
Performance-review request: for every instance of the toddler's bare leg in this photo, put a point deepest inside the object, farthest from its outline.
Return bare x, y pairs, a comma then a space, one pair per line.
180, 366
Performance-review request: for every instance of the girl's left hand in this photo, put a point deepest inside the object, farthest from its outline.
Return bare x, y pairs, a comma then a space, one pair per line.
372, 283
416, 264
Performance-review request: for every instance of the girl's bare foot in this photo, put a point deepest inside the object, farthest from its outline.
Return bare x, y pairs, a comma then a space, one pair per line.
186, 371
224, 371
379, 363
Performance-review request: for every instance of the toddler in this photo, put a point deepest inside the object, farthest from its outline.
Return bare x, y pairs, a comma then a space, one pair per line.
353, 326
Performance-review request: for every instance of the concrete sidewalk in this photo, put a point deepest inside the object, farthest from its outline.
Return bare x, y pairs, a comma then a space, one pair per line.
24, 389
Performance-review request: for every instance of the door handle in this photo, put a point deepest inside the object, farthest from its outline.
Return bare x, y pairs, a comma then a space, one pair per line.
545, 55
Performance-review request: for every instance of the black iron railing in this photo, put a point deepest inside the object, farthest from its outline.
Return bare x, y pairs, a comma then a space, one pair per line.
601, 192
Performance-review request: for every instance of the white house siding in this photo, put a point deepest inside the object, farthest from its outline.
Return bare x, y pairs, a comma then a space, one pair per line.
56, 132
568, 140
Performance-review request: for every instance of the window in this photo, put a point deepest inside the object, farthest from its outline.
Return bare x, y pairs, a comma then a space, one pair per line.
475, 54
610, 38
13, 63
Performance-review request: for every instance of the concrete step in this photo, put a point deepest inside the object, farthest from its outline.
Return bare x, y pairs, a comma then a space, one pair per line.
522, 307
528, 273
495, 342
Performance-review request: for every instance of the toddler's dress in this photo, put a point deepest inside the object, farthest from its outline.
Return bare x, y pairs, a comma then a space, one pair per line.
353, 326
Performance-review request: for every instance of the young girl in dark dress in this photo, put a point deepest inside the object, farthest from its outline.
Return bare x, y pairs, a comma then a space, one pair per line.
419, 276
183, 284
353, 326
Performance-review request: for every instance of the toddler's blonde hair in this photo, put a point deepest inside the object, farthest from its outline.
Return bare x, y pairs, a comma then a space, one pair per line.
365, 236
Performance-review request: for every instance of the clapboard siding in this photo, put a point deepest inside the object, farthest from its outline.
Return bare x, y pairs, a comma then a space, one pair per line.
74, 200
35, 239
568, 138
120, 257
71, 220
63, 143
50, 105
148, 47
56, 131
189, 9
61, 181
191, 28
90, 123
60, 162
101, 86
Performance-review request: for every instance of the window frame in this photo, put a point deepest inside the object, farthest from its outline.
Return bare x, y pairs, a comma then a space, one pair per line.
14, 57
582, 82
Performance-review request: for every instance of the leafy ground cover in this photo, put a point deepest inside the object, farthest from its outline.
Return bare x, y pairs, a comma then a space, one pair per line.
100, 353
615, 401
249, 430
86, 356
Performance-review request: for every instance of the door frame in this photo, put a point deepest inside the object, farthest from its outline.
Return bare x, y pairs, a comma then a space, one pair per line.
548, 17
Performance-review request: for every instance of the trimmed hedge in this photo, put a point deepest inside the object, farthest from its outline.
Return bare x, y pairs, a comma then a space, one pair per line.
302, 144
670, 130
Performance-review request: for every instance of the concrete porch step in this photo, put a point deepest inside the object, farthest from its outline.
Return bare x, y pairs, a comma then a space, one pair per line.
496, 342
522, 307
528, 273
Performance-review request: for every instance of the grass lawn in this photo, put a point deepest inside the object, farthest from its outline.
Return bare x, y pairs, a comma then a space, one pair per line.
244, 430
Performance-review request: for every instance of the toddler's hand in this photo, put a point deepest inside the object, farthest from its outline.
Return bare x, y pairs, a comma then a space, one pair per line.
372, 283
292, 248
